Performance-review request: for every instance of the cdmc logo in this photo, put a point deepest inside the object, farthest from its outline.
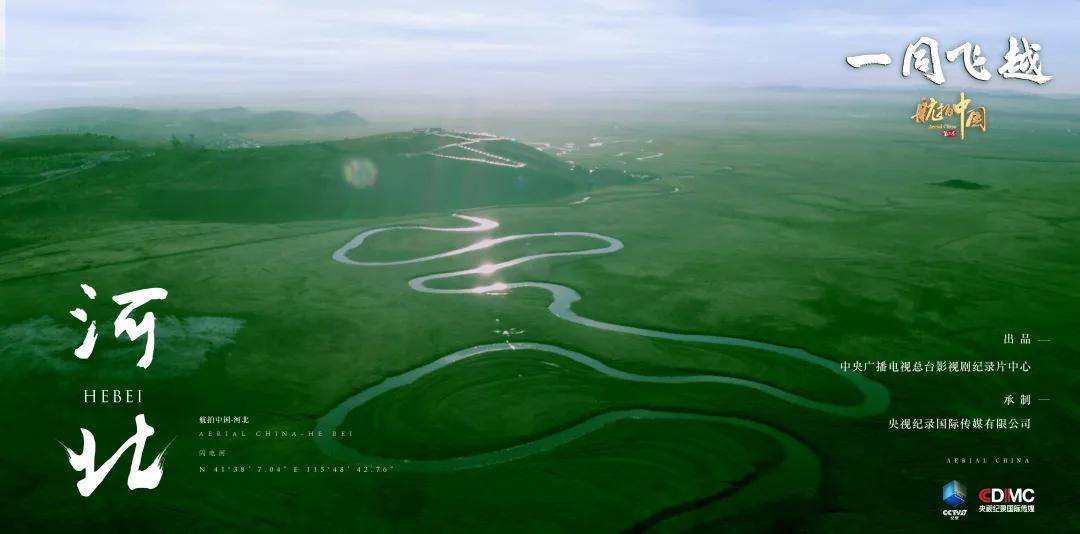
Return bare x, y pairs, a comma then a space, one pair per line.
1007, 495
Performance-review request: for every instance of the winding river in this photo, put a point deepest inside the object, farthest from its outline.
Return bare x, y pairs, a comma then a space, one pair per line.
874, 396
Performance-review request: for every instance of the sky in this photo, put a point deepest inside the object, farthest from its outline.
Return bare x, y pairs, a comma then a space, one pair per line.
79, 52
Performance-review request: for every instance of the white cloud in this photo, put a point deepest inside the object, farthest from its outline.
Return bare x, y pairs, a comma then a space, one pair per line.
200, 46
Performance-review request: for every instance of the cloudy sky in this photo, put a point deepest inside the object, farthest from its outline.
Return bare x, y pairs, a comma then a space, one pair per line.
121, 51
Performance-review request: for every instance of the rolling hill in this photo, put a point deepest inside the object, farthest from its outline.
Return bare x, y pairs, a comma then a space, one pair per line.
220, 128
71, 184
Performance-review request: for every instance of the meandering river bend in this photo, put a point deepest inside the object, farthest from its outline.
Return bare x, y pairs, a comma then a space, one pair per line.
874, 397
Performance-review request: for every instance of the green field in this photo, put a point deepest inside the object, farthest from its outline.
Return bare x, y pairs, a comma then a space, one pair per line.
827, 223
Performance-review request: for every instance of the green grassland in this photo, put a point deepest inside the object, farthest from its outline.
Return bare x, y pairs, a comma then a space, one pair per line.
802, 220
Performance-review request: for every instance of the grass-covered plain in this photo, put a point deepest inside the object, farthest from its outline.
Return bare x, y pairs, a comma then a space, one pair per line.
823, 228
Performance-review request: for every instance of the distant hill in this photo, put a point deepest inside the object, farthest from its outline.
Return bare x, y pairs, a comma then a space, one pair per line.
71, 183
213, 127
960, 184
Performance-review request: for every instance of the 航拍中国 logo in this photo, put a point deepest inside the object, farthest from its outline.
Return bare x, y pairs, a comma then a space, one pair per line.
1007, 500
952, 120
955, 495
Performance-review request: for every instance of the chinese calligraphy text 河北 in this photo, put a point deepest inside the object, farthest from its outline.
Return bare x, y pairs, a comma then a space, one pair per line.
86, 461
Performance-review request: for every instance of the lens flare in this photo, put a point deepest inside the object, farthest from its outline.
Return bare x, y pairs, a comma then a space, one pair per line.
360, 173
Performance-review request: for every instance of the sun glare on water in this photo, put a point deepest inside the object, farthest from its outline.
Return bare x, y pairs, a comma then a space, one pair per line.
496, 288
